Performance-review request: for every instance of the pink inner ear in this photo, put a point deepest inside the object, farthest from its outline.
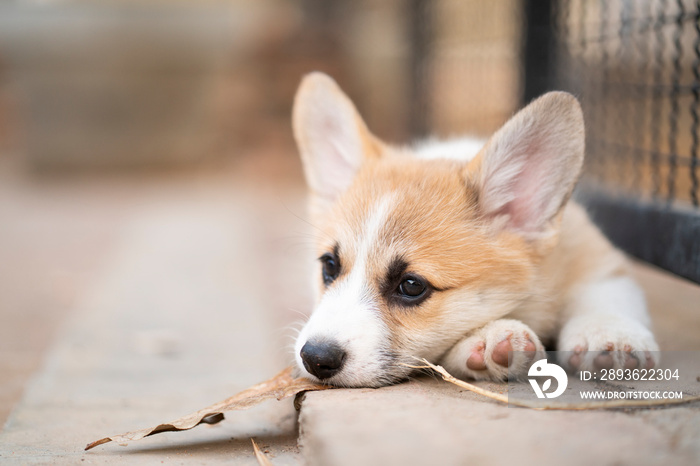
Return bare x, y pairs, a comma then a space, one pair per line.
334, 150
532, 189
529, 167
527, 185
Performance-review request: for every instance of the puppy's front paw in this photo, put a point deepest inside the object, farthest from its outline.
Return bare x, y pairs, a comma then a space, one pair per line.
483, 355
595, 342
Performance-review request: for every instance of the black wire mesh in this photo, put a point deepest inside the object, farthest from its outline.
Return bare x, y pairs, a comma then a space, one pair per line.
635, 65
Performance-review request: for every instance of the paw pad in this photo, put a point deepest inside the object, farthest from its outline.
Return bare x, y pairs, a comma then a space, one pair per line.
501, 350
575, 359
476, 360
606, 358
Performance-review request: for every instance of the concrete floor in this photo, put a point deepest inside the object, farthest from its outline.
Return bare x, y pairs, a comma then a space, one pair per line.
128, 301
168, 279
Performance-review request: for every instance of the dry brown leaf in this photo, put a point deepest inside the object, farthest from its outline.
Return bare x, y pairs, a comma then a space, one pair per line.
552, 405
260, 456
281, 386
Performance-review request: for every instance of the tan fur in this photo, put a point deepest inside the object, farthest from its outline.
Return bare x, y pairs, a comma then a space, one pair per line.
443, 223
452, 247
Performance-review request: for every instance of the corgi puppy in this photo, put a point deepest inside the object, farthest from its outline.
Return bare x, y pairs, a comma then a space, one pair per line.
457, 252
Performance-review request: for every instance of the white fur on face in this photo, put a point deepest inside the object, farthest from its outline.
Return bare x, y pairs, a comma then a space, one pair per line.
349, 315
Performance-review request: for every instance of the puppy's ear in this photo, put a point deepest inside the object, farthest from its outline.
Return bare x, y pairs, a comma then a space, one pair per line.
332, 138
528, 169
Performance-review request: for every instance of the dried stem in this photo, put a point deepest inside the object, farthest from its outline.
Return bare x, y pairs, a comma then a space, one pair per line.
551, 405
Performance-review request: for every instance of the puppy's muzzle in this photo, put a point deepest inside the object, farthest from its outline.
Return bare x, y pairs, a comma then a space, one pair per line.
323, 359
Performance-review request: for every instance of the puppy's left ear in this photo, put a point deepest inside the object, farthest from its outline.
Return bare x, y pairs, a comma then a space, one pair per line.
332, 137
526, 172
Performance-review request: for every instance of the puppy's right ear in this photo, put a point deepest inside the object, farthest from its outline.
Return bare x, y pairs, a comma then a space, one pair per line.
332, 138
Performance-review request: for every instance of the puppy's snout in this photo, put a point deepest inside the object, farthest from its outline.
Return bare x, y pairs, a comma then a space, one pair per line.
323, 359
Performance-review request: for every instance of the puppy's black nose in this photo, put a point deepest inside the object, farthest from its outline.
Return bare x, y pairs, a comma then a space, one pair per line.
323, 359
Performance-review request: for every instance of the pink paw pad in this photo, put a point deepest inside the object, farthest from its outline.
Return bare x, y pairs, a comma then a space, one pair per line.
650, 361
500, 351
575, 359
476, 360
605, 359
631, 362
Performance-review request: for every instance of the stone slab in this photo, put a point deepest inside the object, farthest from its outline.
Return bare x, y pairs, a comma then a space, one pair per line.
429, 422
175, 320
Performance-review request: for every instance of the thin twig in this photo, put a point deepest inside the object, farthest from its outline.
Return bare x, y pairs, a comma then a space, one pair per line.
260, 456
550, 405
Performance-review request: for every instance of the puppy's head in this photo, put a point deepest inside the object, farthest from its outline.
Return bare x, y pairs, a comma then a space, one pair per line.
414, 253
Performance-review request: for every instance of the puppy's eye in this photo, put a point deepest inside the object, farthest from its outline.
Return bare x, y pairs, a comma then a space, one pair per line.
412, 288
330, 267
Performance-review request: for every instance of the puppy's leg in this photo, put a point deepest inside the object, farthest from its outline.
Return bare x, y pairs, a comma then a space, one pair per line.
607, 326
483, 354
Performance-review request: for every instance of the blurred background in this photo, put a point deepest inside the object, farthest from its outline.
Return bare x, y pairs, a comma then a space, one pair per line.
149, 181
146, 149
